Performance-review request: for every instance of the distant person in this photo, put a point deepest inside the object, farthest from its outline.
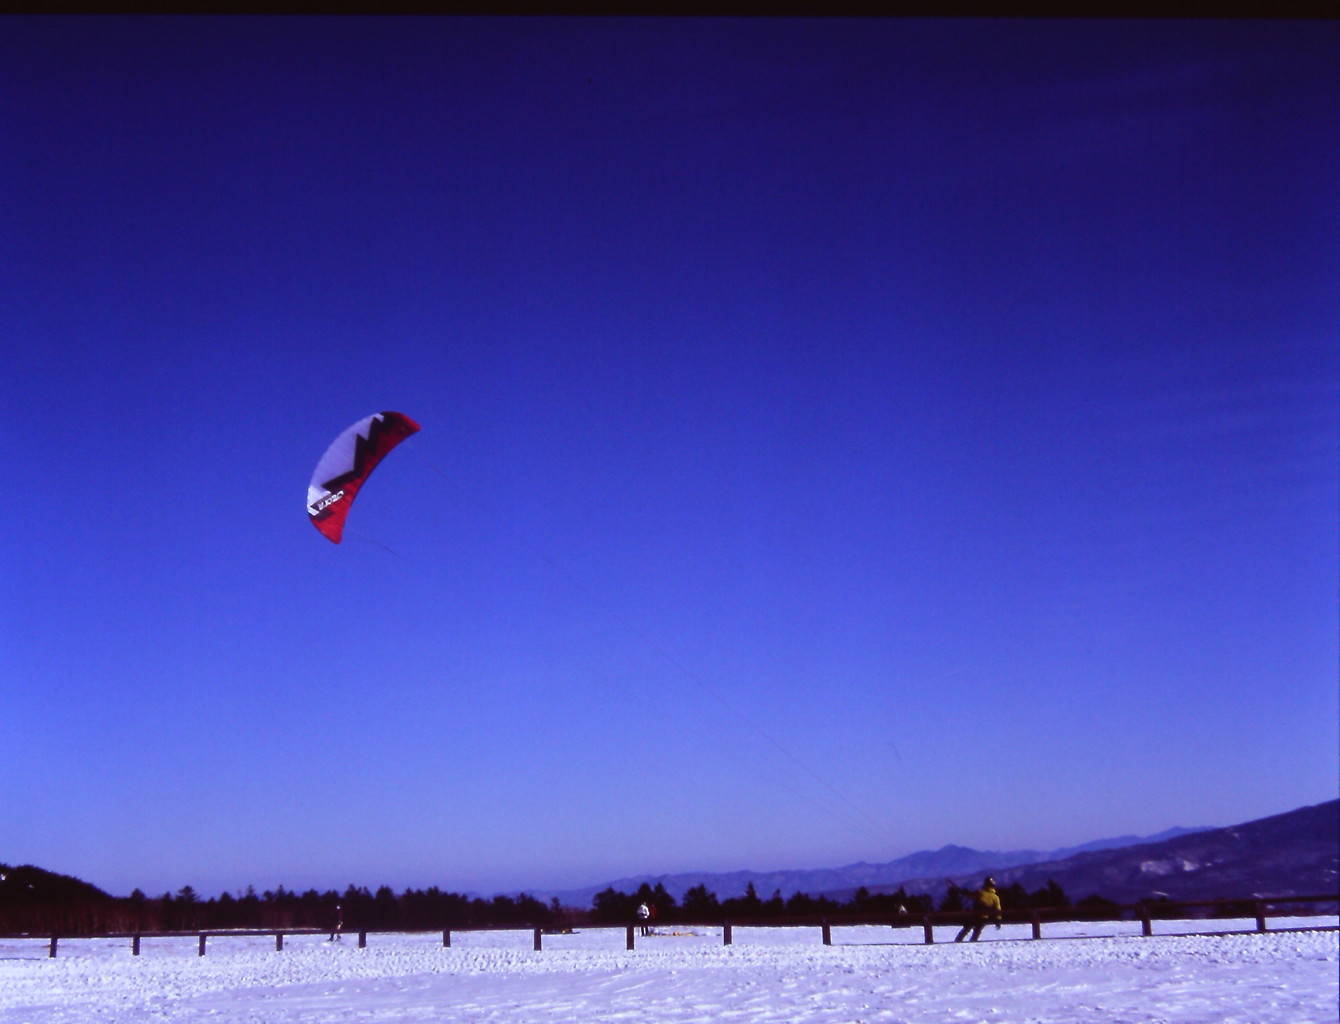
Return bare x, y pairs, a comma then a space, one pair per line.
643, 917
336, 924
985, 907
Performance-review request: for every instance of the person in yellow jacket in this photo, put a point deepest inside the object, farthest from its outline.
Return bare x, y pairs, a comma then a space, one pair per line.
985, 907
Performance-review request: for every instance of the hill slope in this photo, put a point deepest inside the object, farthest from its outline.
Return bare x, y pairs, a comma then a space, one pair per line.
26, 885
1291, 854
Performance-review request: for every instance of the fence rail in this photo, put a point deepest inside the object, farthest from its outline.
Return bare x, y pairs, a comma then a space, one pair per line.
1261, 909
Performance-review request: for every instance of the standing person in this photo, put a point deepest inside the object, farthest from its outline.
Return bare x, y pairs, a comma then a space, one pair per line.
985, 906
643, 916
336, 924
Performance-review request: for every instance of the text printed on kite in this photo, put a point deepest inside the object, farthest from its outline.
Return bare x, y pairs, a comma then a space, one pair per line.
346, 465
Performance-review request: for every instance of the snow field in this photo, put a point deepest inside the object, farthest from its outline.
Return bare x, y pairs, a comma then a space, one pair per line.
768, 975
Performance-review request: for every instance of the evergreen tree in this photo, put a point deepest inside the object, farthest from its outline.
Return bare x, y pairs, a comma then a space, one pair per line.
645, 894
249, 908
531, 911
663, 902
701, 905
612, 907
746, 906
919, 903
750, 903
1014, 896
188, 908
1098, 907
1051, 896
138, 908
385, 908
223, 913
800, 905
558, 916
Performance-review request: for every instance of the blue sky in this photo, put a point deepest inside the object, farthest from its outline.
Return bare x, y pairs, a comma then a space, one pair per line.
840, 438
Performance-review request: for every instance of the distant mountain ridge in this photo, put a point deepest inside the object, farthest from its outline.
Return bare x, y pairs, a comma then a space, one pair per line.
939, 865
1291, 854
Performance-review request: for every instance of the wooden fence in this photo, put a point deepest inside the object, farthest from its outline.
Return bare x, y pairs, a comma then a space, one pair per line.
1147, 913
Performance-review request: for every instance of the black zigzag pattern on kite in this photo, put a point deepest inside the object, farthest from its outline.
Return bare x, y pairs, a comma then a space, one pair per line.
367, 447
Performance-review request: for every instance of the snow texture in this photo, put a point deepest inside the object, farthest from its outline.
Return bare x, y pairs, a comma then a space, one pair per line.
869, 974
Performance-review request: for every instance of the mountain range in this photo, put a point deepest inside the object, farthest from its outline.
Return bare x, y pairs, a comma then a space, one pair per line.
1292, 854
1296, 853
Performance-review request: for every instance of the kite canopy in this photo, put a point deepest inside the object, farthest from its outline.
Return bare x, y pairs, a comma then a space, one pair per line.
347, 463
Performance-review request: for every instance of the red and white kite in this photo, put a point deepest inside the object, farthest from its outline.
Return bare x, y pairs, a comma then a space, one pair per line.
347, 462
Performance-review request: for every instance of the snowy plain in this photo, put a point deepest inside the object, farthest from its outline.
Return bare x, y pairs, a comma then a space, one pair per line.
869, 974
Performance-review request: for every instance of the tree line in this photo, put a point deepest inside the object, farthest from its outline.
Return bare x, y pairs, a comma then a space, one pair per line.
39, 907
701, 905
38, 902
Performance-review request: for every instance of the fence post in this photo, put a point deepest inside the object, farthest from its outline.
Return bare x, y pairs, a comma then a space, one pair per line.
539, 944
628, 938
51, 950
279, 941
928, 929
363, 939
1037, 924
725, 933
134, 945
828, 932
202, 943
446, 938
1146, 925
1260, 916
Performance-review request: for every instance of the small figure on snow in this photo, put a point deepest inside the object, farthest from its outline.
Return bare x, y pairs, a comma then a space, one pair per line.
336, 924
985, 907
644, 916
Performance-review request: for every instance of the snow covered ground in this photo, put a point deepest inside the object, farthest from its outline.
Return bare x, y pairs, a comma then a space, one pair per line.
869, 974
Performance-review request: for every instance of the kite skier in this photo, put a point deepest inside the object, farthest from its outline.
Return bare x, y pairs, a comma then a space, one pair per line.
985, 907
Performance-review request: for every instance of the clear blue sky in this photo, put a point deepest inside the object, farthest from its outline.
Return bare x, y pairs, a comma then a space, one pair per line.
840, 438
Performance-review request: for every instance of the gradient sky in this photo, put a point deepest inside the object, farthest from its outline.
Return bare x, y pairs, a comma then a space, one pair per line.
840, 438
